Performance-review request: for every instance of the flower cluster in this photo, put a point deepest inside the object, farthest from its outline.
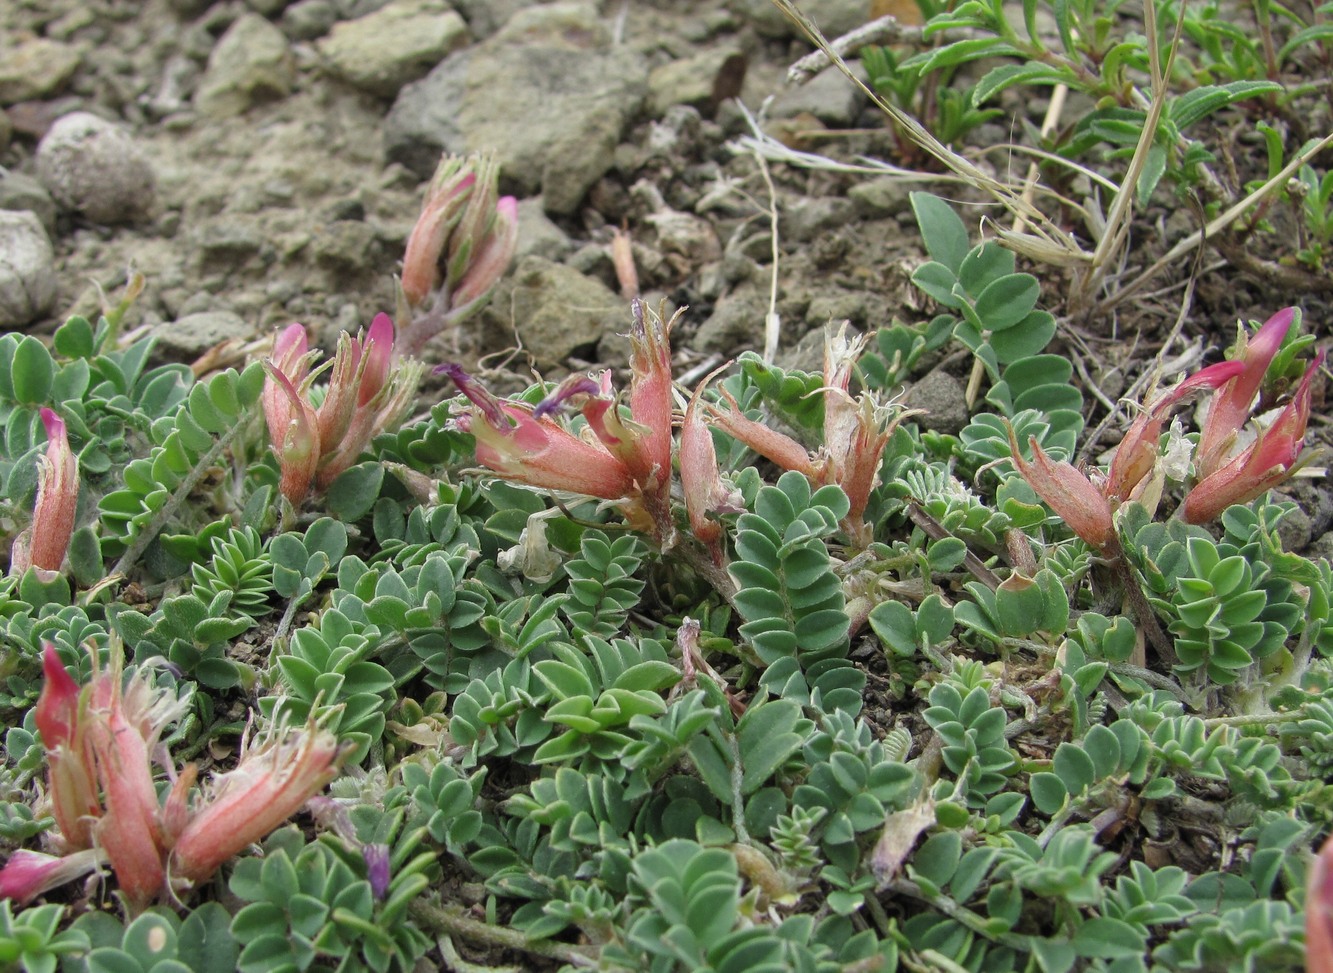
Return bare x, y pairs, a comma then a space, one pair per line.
622, 459
102, 741
43, 545
365, 394
1225, 475
856, 431
627, 459
462, 244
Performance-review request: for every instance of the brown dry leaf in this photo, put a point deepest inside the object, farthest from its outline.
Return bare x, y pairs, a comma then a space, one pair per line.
901, 830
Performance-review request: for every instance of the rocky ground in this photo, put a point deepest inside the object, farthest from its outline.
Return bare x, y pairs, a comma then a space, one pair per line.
263, 162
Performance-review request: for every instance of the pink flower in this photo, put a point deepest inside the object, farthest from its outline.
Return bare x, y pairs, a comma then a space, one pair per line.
268, 786
1231, 407
461, 246
72, 780
1070, 494
701, 481
525, 445
102, 741
1270, 459
365, 395
624, 459
1319, 913
855, 434
44, 544
28, 874
128, 830
1136, 457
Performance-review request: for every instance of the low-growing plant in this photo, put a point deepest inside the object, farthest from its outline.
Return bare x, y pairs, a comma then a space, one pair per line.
760, 676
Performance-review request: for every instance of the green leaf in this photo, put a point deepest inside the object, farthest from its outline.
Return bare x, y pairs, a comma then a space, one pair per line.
74, 338
961, 52
352, 494
937, 859
32, 372
1007, 301
944, 234
1048, 792
1074, 768
1154, 167
1029, 337
938, 281
1106, 938
1008, 75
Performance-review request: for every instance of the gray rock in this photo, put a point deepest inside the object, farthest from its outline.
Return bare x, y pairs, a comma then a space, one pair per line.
191, 336
833, 17
21, 192
881, 197
27, 270
228, 242
942, 396
700, 81
250, 64
737, 321
95, 168
36, 68
829, 96
383, 51
268, 8
538, 235
552, 109
838, 305
808, 217
485, 17
309, 19
347, 246
555, 309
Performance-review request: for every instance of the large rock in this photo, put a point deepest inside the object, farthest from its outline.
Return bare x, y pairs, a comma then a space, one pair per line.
548, 95
191, 336
398, 43
35, 68
27, 270
555, 309
22, 192
250, 64
701, 81
95, 168
830, 96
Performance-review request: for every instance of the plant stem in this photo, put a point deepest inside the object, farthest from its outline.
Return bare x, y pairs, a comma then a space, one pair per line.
450, 920
154, 526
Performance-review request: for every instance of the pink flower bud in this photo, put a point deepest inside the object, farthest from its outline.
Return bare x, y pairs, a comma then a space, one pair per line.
445, 202
768, 443
297, 442
1231, 407
291, 357
378, 359
488, 262
72, 780
28, 874
1070, 494
44, 545
268, 786
57, 707
701, 480
128, 829
1270, 459
1319, 913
